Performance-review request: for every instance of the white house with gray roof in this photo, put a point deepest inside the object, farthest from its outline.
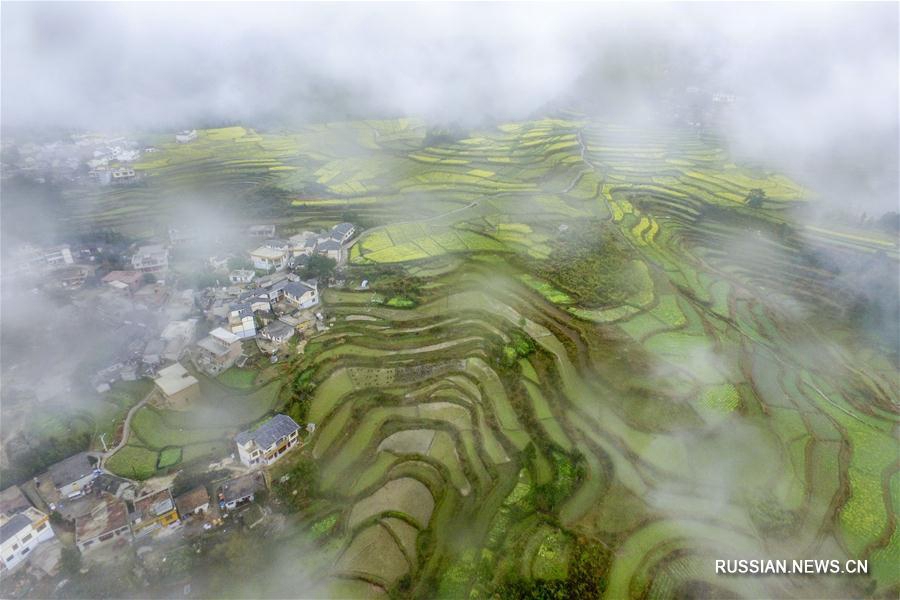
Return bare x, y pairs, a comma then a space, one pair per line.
20, 533
268, 442
302, 294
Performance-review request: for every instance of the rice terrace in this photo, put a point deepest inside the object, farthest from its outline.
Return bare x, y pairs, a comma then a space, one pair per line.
589, 360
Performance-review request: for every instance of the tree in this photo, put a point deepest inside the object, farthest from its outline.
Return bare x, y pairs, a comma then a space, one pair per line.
70, 561
755, 198
319, 266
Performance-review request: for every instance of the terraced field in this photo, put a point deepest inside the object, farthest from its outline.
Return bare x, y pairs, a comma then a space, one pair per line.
611, 372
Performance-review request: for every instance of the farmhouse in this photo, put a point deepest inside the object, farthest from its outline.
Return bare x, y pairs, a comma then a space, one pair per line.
121, 174
342, 232
194, 502
303, 244
241, 322
71, 477
261, 231
301, 294
266, 258
58, 255
330, 248
277, 332
153, 512
150, 259
240, 490
186, 136
107, 521
130, 281
241, 276
178, 335
218, 351
178, 387
20, 533
268, 442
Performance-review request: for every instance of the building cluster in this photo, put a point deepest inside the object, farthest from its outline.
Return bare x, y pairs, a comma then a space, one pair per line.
276, 254
109, 511
80, 159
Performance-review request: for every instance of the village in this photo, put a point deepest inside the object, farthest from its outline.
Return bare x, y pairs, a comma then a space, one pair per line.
263, 301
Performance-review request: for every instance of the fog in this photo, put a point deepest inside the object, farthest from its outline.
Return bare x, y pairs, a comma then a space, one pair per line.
816, 84
815, 90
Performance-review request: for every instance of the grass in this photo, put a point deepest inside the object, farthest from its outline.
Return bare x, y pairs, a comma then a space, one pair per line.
238, 378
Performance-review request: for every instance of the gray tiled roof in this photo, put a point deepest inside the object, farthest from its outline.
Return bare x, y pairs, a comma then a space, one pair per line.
13, 526
71, 469
329, 245
269, 432
298, 288
341, 229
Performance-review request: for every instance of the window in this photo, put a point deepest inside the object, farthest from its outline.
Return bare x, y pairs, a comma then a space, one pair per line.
25, 551
26, 538
10, 557
15, 547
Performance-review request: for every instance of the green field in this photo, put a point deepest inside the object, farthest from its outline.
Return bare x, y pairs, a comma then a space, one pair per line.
563, 381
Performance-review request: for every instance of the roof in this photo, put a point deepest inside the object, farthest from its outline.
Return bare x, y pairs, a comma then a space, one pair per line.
210, 345
12, 500
71, 469
243, 486
16, 524
190, 501
329, 245
224, 335
277, 329
107, 516
126, 277
298, 288
269, 432
110, 483
174, 379
342, 229
155, 504
266, 252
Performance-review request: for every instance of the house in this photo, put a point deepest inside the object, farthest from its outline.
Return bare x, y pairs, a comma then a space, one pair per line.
194, 502
153, 351
218, 351
241, 276
278, 332
268, 442
73, 475
58, 255
267, 258
150, 259
178, 387
301, 294
20, 533
178, 335
303, 244
261, 232
124, 280
121, 174
342, 232
240, 490
330, 248
108, 520
153, 512
116, 486
187, 136
241, 322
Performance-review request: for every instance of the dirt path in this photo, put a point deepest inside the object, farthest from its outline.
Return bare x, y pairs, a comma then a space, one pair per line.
126, 428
